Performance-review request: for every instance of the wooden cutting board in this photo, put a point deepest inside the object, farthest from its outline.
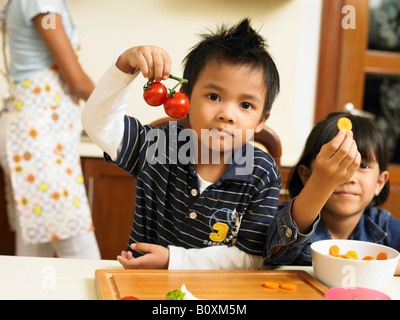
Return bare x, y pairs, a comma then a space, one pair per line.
210, 285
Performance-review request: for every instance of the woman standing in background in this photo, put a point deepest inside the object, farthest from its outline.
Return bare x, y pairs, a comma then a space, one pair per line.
40, 131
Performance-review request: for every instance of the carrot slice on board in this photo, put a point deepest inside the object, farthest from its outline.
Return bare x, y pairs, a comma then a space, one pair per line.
334, 250
271, 285
381, 256
288, 286
351, 255
344, 123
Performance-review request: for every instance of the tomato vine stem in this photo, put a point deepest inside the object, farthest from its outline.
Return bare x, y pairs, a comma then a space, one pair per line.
180, 81
171, 93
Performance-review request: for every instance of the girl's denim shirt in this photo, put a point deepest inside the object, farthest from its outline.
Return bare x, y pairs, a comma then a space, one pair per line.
375, 225
284, 233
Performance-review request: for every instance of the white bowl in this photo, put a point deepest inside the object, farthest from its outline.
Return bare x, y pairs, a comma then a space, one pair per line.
339, 272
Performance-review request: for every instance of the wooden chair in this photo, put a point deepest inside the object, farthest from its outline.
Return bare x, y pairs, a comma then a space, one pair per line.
266, 139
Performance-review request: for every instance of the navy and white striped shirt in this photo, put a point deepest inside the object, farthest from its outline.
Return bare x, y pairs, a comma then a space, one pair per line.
235, 210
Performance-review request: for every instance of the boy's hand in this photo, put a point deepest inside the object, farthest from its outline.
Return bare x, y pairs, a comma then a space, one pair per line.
153, 62
156, 257
338, 160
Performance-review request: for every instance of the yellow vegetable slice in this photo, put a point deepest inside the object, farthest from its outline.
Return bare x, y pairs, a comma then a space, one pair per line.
344, 123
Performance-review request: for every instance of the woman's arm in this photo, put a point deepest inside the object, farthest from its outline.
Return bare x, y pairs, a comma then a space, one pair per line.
60, 47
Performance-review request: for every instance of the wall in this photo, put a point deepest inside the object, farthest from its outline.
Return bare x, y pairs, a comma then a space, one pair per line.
291, 28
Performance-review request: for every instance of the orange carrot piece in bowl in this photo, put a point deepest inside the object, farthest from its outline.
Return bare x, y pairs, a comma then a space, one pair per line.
367, 258
351, 255
381, 256
334, 250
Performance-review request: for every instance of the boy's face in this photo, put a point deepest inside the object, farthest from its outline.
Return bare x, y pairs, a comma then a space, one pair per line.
227, 100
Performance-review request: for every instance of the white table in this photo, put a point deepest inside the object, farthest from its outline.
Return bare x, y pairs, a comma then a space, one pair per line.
50, 278
26, 278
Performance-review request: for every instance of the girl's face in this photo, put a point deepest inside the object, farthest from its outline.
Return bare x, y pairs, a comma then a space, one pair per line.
227, 99
352, 197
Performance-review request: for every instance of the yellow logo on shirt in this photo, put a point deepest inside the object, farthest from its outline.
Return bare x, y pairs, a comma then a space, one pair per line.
222, 231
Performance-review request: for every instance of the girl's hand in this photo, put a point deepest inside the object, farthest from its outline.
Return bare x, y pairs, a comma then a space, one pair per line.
338, 160
156, 257
153, 62
334, 165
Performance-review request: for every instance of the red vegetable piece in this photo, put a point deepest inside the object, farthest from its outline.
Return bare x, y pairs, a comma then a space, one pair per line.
177, 106
155, 95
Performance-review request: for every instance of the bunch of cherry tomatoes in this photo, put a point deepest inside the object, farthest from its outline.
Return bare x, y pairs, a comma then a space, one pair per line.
176, 104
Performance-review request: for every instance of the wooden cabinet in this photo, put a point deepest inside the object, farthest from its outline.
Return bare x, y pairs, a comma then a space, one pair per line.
346, 61
392, 204
111, 196
111, 193
284, 195
7, 237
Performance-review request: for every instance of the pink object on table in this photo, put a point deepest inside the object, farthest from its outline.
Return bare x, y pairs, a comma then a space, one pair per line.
356, 293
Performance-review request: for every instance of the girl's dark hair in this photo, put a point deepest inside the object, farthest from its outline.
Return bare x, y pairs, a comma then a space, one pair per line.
238, 44
370, 143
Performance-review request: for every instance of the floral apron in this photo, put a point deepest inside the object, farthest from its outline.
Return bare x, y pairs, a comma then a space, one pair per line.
43, 130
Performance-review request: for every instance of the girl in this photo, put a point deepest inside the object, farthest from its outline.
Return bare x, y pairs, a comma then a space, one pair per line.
350, 212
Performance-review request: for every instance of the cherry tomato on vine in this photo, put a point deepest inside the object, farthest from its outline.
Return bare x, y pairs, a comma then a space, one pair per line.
155, 95
177, 106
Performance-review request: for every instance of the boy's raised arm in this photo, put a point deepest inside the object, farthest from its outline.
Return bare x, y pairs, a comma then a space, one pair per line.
103, 115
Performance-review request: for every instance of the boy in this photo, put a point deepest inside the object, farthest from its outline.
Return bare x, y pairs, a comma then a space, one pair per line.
202, 214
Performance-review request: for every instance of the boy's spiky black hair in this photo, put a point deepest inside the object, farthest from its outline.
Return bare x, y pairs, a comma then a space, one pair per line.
240, 44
